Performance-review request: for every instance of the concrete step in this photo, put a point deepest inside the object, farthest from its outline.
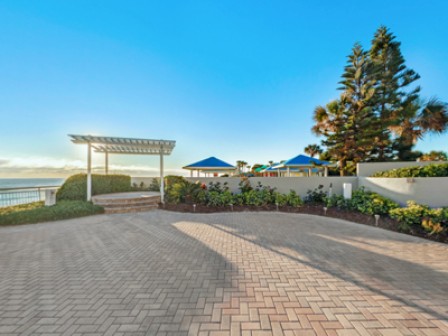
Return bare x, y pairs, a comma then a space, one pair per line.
103, 200
129, 204
130, 209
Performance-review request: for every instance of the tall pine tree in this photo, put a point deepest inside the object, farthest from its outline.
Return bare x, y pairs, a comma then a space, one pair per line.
393, 93
349, 124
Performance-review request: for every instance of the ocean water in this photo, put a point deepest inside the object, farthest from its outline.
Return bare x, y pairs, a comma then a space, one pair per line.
29, 182
21, 196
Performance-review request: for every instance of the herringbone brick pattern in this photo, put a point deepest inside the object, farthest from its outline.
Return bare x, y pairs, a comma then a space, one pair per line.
163, 273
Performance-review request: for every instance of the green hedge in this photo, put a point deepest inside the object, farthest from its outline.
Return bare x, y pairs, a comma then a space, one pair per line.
75, 187
37, 212
433, 170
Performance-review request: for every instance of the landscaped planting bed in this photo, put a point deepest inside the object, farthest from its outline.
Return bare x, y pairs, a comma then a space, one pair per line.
415, 219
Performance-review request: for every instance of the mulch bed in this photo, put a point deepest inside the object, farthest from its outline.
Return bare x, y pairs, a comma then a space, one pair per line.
356, 217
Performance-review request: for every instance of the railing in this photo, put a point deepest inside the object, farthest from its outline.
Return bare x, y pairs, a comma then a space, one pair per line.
23, 195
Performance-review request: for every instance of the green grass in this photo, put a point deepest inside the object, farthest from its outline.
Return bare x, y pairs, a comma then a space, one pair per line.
37, 212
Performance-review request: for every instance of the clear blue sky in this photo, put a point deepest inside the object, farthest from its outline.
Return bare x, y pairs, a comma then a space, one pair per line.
233, 79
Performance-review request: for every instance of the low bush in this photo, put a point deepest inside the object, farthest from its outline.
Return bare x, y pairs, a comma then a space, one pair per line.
432, 220
37, 212
155, 185
433, 170
75, 187
370, 203
216, 198
337, 201
183, 191
217, 194
316, 196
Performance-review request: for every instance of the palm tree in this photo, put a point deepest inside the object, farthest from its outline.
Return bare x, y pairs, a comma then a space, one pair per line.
241, 164
313, 150
418, 119
271, 163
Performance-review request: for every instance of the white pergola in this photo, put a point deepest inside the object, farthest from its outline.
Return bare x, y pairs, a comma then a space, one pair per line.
115, 145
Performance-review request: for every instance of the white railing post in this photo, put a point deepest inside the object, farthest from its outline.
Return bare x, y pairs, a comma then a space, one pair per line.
89, 172
162, 182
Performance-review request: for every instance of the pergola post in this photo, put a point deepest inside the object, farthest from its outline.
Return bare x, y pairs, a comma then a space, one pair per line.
106, 157
162, 182
89, 171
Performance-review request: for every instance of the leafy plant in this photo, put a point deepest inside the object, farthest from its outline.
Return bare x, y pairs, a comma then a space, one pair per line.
370, 203
183, 192
337, 201
244, 185
316, 196
215, 198
238, 199
430, 227
293, 199
409, 216
218, 187
280, 199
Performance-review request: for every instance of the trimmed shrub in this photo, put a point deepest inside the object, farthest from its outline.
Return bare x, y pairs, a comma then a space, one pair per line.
75, 187
37, 212
433, 170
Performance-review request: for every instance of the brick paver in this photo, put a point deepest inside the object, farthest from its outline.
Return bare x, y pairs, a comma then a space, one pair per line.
258, 274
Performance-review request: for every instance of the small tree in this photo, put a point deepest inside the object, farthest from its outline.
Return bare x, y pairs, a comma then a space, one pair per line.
312, 150
434, 156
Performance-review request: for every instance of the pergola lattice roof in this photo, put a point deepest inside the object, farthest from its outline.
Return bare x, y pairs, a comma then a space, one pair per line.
116, 145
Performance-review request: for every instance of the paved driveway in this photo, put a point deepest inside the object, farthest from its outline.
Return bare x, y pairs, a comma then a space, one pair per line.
164, 273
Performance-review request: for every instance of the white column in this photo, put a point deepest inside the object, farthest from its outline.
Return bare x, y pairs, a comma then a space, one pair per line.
309, 172
106, 157
326, 171
191, 173
162, 178
89, 172
278, 172
289, 172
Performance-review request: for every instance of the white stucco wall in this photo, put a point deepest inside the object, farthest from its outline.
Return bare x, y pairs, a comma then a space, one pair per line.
432, 191
367, 169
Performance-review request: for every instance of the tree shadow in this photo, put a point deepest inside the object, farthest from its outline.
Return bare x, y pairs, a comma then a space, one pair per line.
382, 269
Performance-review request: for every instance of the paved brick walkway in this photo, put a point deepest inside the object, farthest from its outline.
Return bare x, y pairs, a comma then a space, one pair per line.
163, 273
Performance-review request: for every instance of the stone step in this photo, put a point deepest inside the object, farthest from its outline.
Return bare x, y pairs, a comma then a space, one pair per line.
127, 202
133, 203
129, 209
102, 200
